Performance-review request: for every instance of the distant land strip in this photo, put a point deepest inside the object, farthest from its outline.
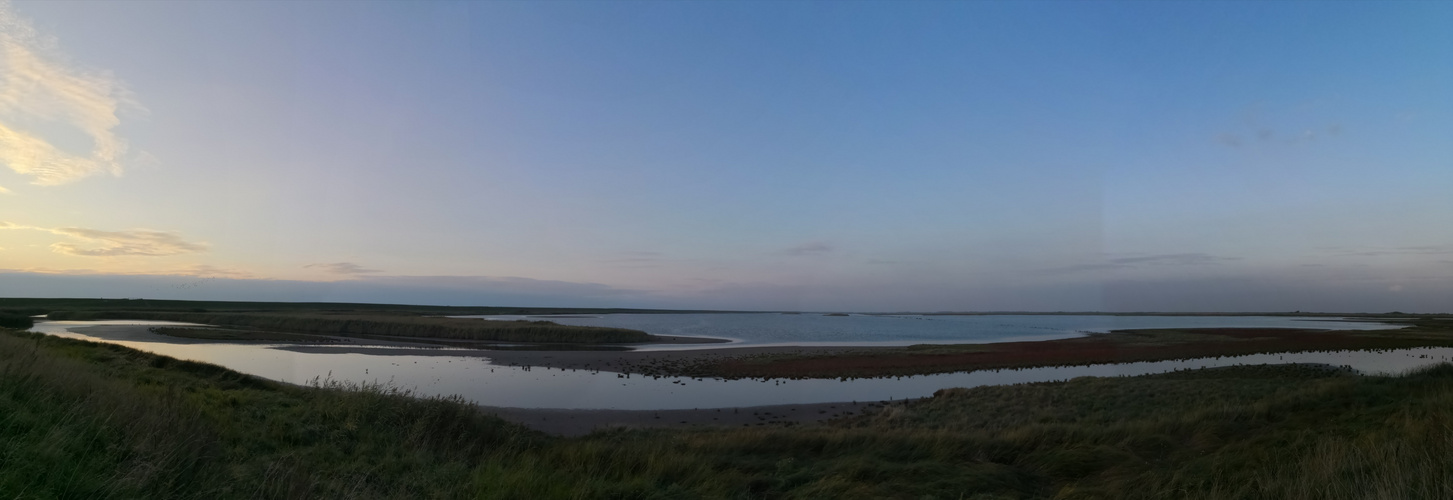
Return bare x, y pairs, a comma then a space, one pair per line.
355, 324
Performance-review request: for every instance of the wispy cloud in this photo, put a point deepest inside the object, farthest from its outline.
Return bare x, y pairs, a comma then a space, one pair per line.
505, 285
344, 268
1231, 140
1079, 268
210, 271
194, 271
1174, 259
135, 242
1380, 252
1265, 136
810, 248
115, 243
1265, 126
636, 260
39, 86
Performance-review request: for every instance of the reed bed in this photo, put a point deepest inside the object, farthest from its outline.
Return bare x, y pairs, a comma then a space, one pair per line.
244, 335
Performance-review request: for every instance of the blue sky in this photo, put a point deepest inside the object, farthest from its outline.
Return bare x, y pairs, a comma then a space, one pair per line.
793, 155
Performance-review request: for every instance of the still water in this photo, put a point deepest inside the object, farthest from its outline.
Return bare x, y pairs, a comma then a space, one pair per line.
476, 379
859, 329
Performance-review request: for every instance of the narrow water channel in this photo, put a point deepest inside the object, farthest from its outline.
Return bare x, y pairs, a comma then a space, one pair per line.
477, 379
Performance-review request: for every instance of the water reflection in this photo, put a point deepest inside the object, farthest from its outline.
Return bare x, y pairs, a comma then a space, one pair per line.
903, 329
475, 378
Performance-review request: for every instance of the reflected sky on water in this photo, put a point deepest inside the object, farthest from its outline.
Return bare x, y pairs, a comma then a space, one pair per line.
907, 329
476, 379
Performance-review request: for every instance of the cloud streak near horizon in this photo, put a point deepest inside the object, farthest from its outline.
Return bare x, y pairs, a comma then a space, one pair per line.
135, 242
1270, 292
1178, 259
41, 90
344, 268
809, 248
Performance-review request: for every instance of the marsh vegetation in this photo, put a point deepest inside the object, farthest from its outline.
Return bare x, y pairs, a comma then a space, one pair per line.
1114, 347
237, 335
88, 420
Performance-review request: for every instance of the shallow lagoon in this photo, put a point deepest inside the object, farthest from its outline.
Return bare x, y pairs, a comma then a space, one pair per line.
890, 330
476, 379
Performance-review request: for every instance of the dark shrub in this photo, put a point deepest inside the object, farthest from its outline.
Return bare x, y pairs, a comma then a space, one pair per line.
18, 321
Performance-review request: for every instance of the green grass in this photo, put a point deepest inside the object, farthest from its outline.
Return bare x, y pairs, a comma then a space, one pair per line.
88, 420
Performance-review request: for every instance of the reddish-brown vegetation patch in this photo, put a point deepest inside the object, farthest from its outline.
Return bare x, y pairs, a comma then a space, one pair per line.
1118, 347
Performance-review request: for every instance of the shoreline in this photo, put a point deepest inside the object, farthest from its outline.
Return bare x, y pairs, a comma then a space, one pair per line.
828, 362
790, 361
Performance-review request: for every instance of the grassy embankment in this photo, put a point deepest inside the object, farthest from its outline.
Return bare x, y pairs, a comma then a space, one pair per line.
86, 420
1116, 347
382, 325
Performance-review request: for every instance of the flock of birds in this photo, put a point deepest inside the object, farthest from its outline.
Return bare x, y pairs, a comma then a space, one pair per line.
192, 284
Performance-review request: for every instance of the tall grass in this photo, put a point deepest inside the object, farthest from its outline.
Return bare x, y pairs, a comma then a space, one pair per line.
347, 324
86, 420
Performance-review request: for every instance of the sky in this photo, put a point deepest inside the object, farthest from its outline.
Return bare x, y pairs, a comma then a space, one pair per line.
855, 156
